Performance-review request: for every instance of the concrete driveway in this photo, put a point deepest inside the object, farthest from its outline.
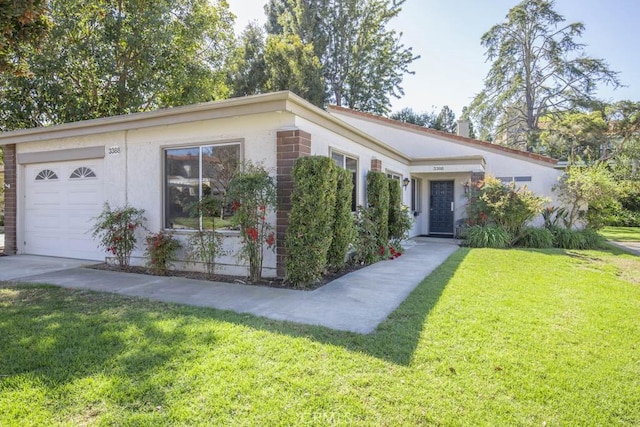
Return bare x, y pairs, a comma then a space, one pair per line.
355, 302
22, 266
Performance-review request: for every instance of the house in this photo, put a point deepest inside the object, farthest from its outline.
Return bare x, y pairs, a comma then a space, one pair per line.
58, 177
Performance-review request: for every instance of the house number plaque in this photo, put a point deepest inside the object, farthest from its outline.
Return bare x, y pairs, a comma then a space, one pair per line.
114, 150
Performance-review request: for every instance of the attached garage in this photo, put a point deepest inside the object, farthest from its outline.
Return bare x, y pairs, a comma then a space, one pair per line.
60, 201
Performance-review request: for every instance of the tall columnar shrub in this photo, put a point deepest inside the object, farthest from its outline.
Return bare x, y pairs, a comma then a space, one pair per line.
253, 192
343, 225
311, 220
115, 229
396, 214
378, 199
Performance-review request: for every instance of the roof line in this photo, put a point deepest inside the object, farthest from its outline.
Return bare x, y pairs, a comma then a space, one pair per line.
440, 134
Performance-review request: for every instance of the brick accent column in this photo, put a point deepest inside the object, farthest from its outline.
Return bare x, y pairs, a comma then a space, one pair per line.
10, 199
290, 145
376, 165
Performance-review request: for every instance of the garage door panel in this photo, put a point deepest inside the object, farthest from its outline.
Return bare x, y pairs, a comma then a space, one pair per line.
60, 210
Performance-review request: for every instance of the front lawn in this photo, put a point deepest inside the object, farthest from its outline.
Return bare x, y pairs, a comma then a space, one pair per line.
492, 337
621, 234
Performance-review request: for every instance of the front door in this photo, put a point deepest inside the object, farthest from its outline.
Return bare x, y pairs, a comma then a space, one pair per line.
441, 208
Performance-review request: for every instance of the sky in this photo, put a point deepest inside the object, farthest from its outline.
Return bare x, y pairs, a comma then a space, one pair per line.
452, 65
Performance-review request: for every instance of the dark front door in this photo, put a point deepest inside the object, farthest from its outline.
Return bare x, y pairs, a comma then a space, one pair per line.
441, 208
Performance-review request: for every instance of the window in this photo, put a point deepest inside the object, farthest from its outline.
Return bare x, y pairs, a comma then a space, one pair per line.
510, 179
193, 173
350, 164
46, 175
82, 172
394, 175
416, 190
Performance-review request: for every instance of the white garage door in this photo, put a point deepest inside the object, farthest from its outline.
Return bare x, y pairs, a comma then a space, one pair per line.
61, 200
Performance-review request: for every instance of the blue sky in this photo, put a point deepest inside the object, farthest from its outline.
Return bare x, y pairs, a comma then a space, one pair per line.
446, 34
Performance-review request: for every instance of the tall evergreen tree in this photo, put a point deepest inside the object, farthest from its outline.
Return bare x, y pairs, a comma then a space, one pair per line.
363, 61
538, 68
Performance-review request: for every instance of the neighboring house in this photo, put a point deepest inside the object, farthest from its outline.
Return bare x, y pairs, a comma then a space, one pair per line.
59, 177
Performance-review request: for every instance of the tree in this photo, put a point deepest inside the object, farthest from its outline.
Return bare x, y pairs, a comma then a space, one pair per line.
575, 135
248, 73
23, 25
445, 121
407, 115
117, 57
363, 62
465, 116
583, 188
292, 65
538, 69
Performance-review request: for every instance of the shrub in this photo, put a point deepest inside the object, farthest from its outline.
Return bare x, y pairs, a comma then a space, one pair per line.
487, 236
313, 202
399, 221
253, 193
160, 251
205, 245
566, 238
592, 240
378, 200
584, 188
366, 243
116, 231
508, 206
343, 225
532, 237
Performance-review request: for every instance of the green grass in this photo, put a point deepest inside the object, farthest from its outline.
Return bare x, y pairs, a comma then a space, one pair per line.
492, 337
621, 234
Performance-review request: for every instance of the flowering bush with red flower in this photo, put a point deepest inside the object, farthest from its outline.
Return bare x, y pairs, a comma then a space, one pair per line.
161, 251
115, 230
253, 193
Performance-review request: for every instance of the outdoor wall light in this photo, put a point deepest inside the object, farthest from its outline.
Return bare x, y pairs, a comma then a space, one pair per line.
466, 185
405, 183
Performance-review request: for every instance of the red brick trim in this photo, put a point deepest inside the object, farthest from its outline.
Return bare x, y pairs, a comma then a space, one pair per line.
290, 145
10, 199
376, 165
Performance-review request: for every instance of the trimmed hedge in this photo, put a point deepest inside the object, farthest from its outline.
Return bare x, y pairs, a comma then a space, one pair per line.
311, 221
378, 199
396, 223
343, 225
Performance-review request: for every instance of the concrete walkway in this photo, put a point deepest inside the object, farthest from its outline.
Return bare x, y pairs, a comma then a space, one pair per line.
631, 247
356, 302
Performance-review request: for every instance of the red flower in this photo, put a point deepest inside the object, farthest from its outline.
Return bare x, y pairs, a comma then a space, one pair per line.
262, 208
271, 239
252, 233
131, 226
235, 206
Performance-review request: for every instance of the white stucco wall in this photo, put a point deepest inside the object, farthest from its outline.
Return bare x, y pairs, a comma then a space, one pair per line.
135, 174
324, 140
499, 164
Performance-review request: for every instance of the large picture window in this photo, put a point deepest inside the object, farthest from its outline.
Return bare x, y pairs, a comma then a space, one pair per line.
351, 164
192, 173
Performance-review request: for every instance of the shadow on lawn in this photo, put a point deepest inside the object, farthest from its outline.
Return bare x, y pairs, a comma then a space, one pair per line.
60, 335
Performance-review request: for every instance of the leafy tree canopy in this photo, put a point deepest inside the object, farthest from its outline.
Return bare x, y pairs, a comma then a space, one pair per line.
538, 69
444, 121
23, 24
105, 58
363, 63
